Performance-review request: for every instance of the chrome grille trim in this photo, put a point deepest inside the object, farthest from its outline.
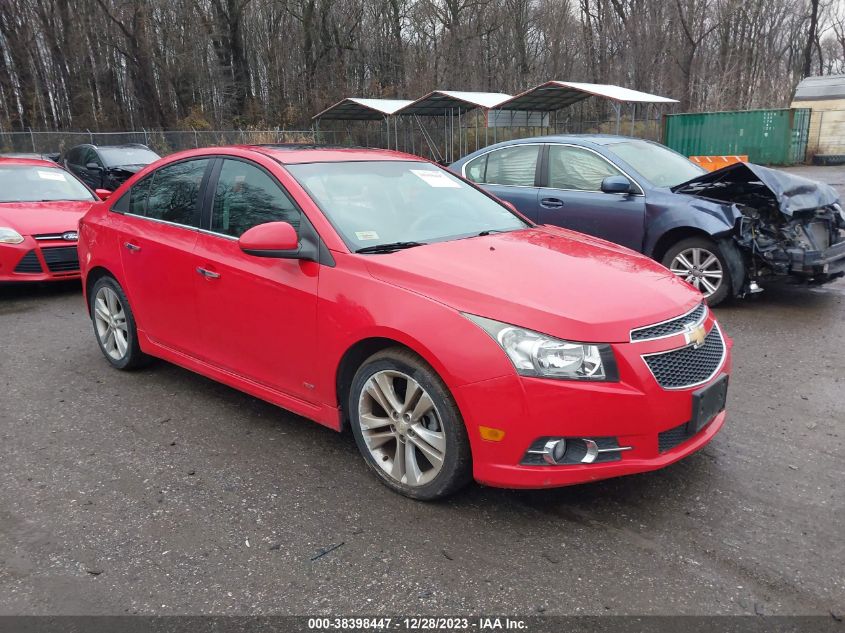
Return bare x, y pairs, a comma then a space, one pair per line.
665, 329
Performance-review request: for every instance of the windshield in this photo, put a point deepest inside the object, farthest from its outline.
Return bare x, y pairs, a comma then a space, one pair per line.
33, 183
381, 202
117, 156
659, 165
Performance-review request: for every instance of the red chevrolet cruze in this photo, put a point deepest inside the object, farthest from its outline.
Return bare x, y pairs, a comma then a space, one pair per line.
375, 290
40, 208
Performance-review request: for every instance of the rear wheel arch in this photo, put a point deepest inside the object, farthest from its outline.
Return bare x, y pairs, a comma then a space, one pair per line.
93, 276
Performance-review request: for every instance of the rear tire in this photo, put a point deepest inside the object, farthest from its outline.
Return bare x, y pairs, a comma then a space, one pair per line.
700, 262
114, 325
408, 427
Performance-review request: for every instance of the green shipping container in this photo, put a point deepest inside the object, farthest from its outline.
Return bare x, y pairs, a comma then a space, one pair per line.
768, 137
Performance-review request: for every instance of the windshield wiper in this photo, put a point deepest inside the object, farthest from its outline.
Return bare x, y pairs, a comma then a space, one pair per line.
389, 247
491, 231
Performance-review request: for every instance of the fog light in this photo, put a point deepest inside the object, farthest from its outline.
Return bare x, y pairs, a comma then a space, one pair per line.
562, 451
553, 451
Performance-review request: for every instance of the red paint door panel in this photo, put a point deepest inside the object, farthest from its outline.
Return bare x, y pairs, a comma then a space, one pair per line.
157, 237
258, 315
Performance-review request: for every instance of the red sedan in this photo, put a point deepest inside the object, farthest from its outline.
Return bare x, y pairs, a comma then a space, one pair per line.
375, 290
40, 208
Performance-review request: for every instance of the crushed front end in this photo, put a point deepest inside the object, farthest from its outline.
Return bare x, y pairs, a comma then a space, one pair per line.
785, 225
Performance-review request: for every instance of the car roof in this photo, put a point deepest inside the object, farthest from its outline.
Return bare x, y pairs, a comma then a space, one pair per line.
118, 146
34, 162
298, 153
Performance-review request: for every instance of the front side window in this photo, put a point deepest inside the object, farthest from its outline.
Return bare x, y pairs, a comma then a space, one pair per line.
578, 169
34, 183
247, 196
172, 193
372, 203
514, 166
90, 156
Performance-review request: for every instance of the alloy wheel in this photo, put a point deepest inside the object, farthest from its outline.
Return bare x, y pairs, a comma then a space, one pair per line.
699, 267
401, 428
110, 321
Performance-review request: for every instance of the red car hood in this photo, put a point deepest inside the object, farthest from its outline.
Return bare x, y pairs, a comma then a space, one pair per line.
33, 218
551, 280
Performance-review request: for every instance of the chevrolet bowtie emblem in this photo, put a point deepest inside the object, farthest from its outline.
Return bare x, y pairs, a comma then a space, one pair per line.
694, 335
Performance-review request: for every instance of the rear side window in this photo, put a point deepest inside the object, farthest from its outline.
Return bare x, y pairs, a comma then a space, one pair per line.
514, 166
170, 194
247, 196
476, 168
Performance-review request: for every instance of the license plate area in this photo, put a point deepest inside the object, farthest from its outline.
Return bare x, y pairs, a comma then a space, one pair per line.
707, 403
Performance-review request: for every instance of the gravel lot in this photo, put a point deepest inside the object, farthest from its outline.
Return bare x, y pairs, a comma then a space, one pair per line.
163, 492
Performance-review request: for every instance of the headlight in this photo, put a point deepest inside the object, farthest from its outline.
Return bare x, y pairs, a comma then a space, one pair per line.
535, 354
10, 236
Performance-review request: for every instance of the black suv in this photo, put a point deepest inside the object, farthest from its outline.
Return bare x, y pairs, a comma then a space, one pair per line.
108, 166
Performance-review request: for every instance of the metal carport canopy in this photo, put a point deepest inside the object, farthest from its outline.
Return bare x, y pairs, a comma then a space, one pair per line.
556, 95
439, 101
359, 109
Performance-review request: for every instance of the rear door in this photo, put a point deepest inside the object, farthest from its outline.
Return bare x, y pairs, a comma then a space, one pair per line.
509, 173
258, 314
571, 197
158, 221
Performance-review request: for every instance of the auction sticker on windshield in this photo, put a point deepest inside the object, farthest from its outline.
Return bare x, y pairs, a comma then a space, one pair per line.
366, 235
47, 175
435, 178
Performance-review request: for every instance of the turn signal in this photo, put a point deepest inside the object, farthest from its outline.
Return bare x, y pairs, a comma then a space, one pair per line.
490, 434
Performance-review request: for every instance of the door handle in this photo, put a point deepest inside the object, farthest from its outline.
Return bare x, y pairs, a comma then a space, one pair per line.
208, 274
551, 203
132, 247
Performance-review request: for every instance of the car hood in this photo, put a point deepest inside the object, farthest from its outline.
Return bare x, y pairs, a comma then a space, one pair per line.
547, 279
34, 218
740, 182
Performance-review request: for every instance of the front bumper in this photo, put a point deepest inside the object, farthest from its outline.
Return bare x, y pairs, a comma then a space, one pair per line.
39, 260
807, 263
636, 411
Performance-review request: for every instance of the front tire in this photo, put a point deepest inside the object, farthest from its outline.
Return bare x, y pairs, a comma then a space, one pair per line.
114, 325
408, 427
700, 262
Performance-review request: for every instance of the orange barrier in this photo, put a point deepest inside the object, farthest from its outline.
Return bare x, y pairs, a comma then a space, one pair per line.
712, 163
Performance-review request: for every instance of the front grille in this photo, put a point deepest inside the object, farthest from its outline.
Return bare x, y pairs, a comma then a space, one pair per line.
667, 440
673, 326
687, 366
61, 259
29, 264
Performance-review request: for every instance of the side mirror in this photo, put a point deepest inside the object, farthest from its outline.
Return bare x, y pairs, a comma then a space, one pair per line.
103, 194
273, 239
93, 166
617, 184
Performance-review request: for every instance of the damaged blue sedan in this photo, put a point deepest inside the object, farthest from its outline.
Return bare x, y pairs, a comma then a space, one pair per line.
724, 232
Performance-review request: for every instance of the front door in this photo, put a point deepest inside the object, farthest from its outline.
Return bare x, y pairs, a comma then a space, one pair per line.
258, 314
572, 197
158, 233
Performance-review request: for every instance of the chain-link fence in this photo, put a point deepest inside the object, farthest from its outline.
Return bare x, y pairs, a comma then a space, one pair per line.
424, 137
162, 142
